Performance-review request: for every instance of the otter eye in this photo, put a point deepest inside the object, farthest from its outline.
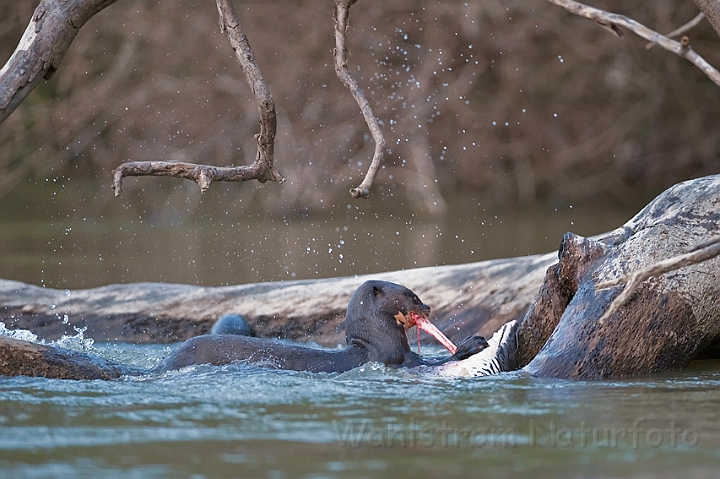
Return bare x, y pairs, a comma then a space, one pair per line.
377, 291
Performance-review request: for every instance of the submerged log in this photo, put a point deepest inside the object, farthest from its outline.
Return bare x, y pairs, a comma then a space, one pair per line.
670, 320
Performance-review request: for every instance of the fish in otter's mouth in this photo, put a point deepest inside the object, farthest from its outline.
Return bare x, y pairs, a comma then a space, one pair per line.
419, 319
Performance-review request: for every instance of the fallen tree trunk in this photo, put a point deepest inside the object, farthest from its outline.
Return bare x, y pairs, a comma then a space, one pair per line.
467, 299
671, 319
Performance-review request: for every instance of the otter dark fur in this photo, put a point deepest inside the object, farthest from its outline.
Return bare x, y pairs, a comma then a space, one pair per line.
372, 334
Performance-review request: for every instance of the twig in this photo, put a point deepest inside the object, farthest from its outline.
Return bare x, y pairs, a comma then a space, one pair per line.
342, 9
679, 31
698, 254
262, 168
682, 49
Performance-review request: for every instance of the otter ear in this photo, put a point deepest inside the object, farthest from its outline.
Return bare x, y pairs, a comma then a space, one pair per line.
377, 291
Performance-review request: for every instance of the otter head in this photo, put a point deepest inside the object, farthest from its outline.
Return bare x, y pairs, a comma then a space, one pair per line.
377, 317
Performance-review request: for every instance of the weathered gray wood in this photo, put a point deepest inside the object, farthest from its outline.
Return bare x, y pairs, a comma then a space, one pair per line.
614, 21
340, 56
47, 37
474, 298
262, 168
670, 320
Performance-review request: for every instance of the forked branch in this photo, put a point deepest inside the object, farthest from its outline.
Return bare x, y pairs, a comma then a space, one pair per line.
262, 168
681, 48
203, 175
683, 29
341, 12
698, 254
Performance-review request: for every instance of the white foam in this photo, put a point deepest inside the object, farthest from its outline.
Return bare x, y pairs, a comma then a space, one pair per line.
21, 334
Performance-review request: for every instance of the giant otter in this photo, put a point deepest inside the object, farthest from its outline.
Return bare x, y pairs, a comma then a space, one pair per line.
375, 325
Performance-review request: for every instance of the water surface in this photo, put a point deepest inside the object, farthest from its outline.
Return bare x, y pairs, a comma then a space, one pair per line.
247, 421
54, 239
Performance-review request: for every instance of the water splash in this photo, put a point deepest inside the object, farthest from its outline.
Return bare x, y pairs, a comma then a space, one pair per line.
21, 334
77, 342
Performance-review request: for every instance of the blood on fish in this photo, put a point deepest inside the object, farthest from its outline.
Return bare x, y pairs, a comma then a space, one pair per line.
422, 323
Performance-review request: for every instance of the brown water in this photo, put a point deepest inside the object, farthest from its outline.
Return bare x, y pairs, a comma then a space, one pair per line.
52, 235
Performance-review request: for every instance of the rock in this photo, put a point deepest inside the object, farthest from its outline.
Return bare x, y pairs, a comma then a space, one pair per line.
23, 358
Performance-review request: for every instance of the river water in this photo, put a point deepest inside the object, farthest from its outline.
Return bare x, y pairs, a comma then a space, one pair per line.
246, 421
54, 234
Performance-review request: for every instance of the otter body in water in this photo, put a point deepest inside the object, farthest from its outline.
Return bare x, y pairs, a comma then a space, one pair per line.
375, 325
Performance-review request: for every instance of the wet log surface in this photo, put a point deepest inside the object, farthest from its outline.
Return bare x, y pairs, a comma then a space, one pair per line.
671, 319
466, 299
23, 358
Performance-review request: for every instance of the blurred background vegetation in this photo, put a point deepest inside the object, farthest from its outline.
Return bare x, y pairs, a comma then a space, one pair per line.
493, 102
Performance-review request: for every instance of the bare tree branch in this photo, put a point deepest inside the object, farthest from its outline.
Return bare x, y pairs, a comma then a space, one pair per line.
203, 175
711, 9
685, 28
698, 254
51, 30
682, 49
342, 10
262, 168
